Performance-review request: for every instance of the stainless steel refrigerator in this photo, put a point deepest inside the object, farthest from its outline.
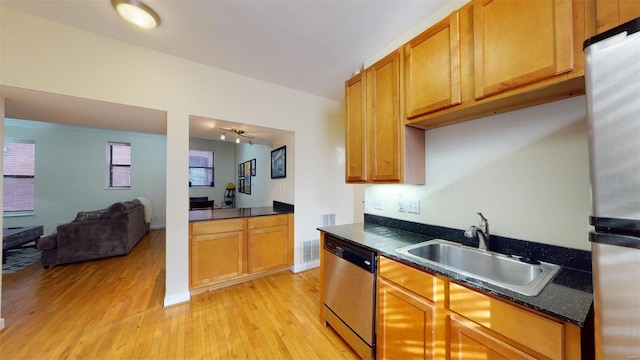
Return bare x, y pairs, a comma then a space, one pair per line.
612, 76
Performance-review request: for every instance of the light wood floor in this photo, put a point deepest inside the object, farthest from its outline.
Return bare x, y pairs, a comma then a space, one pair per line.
112, 309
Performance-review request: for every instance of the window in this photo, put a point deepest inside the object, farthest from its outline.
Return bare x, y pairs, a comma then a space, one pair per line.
119, 165
200, 167
19, 175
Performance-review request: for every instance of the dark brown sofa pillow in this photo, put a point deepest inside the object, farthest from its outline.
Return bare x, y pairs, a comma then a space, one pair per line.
90, 215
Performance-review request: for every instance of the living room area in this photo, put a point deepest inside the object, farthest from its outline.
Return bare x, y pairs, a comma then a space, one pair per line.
74, 170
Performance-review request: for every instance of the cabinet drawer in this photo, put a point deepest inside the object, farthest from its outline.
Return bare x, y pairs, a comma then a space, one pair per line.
267, 221
419, 282
536, 332
216, 226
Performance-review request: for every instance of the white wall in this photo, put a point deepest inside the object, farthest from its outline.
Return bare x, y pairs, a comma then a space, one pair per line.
42, 55
527, 171
283, 189
224, 171
71, 171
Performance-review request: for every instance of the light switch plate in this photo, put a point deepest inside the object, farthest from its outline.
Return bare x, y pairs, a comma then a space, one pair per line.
377, 204
413, 206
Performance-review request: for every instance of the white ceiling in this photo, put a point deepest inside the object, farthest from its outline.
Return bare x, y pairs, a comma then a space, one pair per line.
308, 45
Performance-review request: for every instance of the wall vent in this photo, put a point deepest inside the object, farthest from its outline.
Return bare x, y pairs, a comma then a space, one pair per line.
310, 251
328, 219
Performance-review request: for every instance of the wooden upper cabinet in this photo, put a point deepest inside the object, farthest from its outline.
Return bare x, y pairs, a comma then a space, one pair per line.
520, 42
384, 123
355, 130
612, 13
432, 68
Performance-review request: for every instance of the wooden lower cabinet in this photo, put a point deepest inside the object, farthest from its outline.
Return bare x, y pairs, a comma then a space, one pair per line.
406, 325
268, 241
424, 316
216, 257
467, 341
224, 252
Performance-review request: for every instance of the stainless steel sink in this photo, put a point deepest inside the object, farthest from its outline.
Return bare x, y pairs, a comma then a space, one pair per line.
505, 271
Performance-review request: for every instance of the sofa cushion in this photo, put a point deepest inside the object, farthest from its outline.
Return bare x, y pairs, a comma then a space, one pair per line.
115, 211
90, 215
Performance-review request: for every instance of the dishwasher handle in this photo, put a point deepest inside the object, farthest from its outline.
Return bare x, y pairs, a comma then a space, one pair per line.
359, 256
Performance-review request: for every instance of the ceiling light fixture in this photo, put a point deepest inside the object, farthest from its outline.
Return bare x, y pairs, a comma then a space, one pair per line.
136, 12
222, 137
238, 140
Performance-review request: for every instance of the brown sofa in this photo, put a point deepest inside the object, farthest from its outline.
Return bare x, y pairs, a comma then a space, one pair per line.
95, 234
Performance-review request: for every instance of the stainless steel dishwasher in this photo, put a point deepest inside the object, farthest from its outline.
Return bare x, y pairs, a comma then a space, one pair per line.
349, 294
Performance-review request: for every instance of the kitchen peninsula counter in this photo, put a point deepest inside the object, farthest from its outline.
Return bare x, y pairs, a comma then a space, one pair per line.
229, 246
222, 214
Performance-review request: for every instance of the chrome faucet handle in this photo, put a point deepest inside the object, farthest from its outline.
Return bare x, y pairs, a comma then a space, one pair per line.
484, 224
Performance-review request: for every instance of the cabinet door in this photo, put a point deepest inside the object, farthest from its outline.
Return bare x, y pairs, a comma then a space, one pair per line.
216, 257
468, 341
520, 42
405, 324
432, 68
268, 248
384, 124
355, 130
612, 13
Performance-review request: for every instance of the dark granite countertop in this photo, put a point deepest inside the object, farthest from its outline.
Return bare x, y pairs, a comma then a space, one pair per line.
221, 214
568, 297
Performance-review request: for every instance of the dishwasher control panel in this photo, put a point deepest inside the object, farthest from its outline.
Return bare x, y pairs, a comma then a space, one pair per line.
359, 256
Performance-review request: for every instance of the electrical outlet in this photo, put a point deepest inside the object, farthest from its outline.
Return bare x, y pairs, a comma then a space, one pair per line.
401, 207
377, 204
413, 206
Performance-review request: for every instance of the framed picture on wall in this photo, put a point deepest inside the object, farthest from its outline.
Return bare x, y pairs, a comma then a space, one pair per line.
279, 163
247, 184
240, 170
253, 167
247, 169
241, 185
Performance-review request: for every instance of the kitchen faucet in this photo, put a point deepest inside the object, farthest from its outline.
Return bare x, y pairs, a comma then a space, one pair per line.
481, 231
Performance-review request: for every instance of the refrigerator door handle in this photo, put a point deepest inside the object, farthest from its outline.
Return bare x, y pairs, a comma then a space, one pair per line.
614, 239
614, 223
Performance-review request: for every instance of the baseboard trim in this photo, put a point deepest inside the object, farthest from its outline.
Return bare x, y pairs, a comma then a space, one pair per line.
1, 323
157, 227
177, 299
304, 267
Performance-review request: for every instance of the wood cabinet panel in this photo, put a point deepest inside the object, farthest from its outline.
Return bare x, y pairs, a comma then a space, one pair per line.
225, 252
469, 342
216, 257
612, 13
531, 330
217, 226
406, 324
390, 152
267, 221
383, 119
520, 42
355, 130
432, 68
268, 248
419, 282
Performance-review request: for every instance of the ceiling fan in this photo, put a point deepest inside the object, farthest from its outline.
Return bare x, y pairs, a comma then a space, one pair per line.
238, 132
